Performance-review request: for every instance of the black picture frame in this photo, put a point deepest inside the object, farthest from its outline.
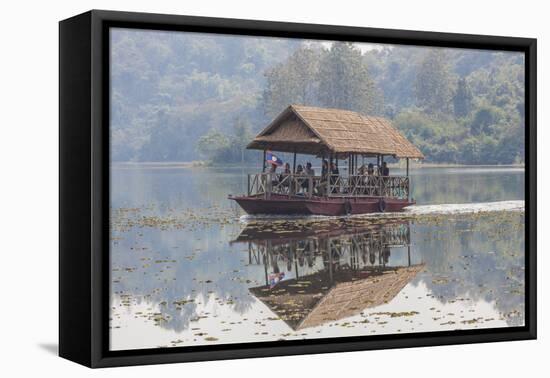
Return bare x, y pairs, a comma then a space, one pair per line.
84, 187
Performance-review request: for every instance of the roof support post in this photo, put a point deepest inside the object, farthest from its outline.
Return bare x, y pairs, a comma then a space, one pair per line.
263, 164
329, 176
380, 174
408, 182
294, 164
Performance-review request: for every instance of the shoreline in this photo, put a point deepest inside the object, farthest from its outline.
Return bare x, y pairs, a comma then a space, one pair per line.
203, 164
160, 164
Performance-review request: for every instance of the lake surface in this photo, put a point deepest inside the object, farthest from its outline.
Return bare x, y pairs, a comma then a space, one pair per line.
188, 268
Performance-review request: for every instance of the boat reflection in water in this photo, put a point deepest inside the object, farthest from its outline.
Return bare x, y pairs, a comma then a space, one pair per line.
339, 271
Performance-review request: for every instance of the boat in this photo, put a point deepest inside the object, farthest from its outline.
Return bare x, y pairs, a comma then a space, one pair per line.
335, 136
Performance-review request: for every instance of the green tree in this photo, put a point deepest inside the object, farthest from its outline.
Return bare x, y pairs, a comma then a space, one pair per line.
433, 87
223, 149
462, 99
344, 81
511, 147
291, 82
486, 117
239, 139
211, 144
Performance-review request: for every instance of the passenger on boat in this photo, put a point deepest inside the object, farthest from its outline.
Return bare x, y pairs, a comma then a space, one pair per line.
361, 180
297, 182
309, 170
370, 180
385, 171
334, 169
274, 177
285, 183
303, 182
324, 170
322, 184
287, 169
370, 169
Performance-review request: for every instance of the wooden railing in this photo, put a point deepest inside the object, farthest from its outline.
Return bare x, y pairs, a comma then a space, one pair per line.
290, 184
265, 184
369, 186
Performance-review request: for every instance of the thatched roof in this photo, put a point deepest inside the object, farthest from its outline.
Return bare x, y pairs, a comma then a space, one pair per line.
309, 302
316, 131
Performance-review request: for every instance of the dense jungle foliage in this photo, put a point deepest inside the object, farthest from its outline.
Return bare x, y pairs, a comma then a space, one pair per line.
185, 96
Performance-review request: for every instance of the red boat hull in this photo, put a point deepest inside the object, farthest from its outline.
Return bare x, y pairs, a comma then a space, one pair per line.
285, 205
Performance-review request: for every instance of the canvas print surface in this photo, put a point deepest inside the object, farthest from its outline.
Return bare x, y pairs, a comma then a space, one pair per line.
267, 189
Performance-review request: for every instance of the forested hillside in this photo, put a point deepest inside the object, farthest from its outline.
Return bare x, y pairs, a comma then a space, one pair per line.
184, 96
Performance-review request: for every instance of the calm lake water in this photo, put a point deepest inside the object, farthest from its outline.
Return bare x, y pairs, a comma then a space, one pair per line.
188, 268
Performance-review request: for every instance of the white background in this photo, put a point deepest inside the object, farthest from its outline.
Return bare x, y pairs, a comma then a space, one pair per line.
29, 186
